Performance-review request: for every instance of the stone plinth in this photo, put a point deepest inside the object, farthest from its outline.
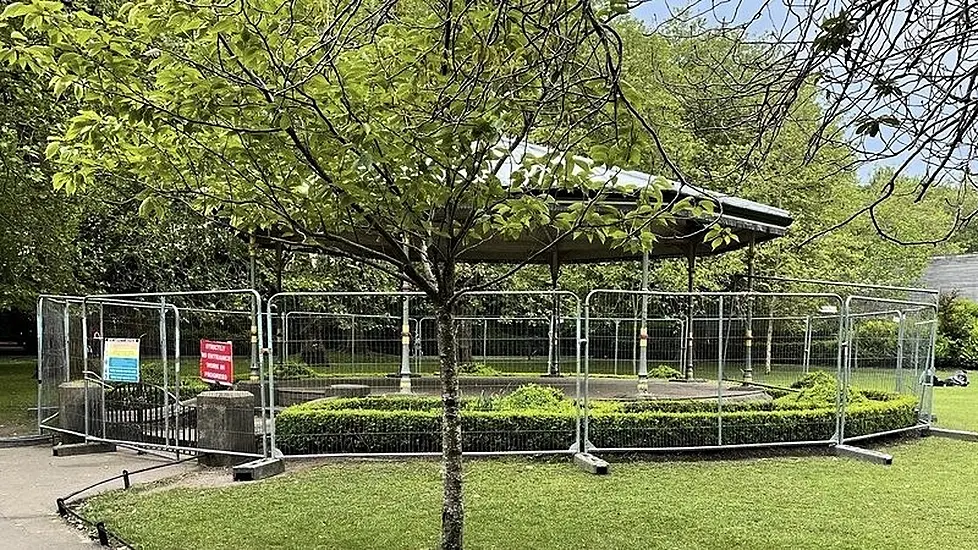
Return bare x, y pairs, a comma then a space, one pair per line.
226, 422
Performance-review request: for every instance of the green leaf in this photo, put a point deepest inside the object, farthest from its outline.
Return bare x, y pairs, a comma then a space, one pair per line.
16, 9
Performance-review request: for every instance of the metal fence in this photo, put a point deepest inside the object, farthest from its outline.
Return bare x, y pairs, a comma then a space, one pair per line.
889, 348
329, 344
728, 359
637, 371
149, 402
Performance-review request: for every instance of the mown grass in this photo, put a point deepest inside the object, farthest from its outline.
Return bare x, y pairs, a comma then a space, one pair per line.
919, 503
18, 394
956, 408
797, 503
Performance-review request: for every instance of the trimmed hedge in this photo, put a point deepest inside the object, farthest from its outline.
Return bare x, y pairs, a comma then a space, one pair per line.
389, 425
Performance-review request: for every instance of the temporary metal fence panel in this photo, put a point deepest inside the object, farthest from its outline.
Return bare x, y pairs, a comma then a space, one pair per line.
889, 348
736, 351
154, 405
321, 343
57, 323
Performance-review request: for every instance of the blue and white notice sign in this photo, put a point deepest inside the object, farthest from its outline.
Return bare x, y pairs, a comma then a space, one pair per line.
120, 361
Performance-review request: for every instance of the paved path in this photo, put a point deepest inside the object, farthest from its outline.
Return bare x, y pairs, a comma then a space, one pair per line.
31, 480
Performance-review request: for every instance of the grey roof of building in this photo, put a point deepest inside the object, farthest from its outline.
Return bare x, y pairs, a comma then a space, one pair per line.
958, 273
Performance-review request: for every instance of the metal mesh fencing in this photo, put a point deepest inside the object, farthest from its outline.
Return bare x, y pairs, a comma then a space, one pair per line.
346, 344
52, 354
889, 350
731, 361
631, 371
147, 399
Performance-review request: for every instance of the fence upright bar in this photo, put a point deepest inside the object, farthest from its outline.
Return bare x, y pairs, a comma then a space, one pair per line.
899, 355
720, 373
166, 375
40, 361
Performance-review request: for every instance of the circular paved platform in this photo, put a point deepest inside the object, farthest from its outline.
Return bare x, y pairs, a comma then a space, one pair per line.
293, 391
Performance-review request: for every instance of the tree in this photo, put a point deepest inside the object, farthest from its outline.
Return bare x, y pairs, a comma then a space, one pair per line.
393, 133
895, 82
38, 224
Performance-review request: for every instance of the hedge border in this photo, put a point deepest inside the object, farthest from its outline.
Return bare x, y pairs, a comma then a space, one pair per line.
411, 425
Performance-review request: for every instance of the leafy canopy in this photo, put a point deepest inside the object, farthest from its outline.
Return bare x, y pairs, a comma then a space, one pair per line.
379, 131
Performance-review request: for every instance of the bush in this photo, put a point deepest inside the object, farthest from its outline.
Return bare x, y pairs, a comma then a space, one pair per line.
957, 333
151, 372
818, 390
665, 372
413, 424
533, 397
292, 368
477, 369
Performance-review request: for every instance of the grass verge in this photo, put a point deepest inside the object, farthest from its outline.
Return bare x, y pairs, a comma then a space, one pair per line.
797, 503
18, 394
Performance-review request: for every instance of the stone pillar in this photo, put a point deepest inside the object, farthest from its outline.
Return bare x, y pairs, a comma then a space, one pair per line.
71, 409
226, 422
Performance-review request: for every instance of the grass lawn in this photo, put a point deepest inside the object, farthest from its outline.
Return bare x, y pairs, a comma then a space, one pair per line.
18, 393
956, 408
921, 502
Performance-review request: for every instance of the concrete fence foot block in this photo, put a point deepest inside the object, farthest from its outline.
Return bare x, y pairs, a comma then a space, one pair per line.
953, 434
591, 464
258, 469
868, 455
75, 449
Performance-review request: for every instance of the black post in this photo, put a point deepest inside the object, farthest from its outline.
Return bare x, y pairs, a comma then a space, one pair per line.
103, 535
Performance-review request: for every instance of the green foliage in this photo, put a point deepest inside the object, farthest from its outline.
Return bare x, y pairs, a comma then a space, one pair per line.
159, 103
813, 379
294, 368
818, 389
151, 372
541, 421
477, 369
665, 372
875, 341
957, 333
534, 397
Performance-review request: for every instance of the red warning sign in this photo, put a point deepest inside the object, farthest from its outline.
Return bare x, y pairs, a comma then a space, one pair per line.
216, 362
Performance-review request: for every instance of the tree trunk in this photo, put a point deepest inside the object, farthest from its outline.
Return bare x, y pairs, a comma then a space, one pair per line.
452, 515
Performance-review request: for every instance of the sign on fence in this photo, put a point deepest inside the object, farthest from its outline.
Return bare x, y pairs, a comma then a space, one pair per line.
121, 360
216, 362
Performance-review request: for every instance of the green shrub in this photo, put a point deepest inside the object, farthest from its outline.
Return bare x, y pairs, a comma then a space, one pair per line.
957, 333
151, 372
477, 369
292, 368
665, 372
818, 389
694, 405
533, 397
412, 424
374, 402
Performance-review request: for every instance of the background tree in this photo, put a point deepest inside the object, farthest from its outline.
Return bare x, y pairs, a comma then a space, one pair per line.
895, 82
